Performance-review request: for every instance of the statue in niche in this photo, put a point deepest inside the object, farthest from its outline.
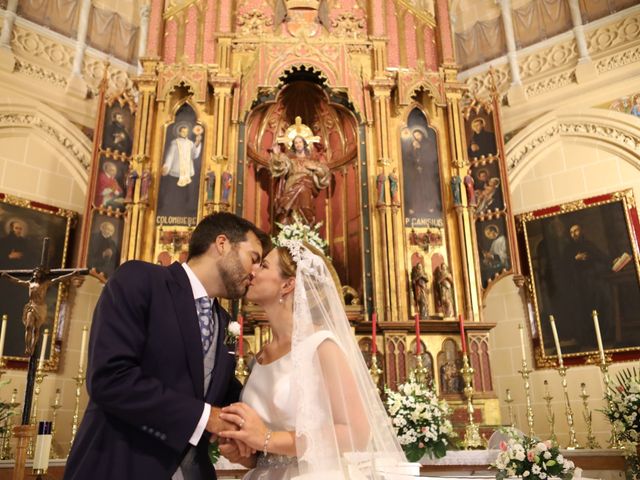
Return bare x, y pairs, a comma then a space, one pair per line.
380, 189
210, 182
469, 186
393, 187
455, 190
226, 186
419, 285
300, 174
444, 289
450, 379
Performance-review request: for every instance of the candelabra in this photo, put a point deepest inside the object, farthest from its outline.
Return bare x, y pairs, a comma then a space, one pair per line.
509, 400
80, 378
586, 414
375, 371
472, 438
34, 409
5, 449
241, 370
573, 441
54, 407
420, 371
614, 441
525, 372
551, 417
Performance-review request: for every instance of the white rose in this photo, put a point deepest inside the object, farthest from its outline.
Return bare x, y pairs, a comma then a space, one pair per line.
547, 455
234, 328
525, 473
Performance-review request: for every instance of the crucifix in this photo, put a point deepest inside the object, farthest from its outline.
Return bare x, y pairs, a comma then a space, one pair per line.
34, 313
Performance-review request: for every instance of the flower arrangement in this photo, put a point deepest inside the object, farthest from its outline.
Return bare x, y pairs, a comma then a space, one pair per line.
531, 459
420, 419
301, 231
623, 411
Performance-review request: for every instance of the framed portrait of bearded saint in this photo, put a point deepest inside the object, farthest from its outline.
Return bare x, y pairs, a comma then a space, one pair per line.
23, 226
582, 257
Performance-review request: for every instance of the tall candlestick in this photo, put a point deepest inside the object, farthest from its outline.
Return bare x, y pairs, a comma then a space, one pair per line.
463, 338
3, 335
374, 323
524, 351
241, 336
418, 344
596, 325
43, 349
83, 348
556, 339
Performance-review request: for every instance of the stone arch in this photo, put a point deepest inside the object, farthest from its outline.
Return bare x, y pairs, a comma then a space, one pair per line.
20, 116
615, 132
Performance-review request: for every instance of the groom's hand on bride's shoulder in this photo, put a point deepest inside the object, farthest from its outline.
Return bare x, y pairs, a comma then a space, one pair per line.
215, 424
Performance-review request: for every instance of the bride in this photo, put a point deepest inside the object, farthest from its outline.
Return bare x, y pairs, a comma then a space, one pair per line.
309, 408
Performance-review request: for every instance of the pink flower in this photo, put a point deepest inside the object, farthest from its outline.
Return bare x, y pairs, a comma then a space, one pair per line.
531, 455
503, 446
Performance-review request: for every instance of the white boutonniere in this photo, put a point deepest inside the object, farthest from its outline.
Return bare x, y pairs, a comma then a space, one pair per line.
233, 332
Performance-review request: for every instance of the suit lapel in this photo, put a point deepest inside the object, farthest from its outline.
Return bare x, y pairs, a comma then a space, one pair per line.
185, 307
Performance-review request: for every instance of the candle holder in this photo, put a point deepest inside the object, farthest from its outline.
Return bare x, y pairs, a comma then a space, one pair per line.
80, 378
551, 417
3, 364
34, 408
5, 448
375, 371
586, 414
420, 371
614, 440
55, 406
472, 438
241, 371
573, 441
509, 400
525, 372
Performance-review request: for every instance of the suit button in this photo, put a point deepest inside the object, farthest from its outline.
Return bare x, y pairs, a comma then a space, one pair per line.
144, 428
163, 437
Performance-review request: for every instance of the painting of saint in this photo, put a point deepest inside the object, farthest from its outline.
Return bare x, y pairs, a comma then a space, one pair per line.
481, 139
104, 245
118, 129
181, 166
488, 187
494, 249
421, 171
110, 184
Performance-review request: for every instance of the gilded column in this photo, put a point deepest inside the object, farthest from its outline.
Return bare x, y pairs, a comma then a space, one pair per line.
143, 135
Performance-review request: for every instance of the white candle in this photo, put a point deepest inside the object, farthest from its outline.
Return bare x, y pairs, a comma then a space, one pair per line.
43, 349
3, 334
83, 348
524, 352
556, 340
596, 325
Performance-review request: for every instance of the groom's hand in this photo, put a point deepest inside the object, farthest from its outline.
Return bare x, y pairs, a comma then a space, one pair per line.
216, 425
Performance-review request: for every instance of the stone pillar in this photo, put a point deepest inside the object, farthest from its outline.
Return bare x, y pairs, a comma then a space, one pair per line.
585, 70
7, 58
516, 92
77, 86
145, 12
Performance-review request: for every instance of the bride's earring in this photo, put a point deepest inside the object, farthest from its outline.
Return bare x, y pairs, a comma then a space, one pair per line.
281, 300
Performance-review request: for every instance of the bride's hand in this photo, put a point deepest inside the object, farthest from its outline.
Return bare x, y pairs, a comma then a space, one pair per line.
252, 429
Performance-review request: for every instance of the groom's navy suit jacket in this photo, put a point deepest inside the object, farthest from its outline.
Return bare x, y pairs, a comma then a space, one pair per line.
145, 378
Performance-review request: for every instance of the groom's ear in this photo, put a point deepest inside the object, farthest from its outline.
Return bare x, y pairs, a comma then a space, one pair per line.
221, 244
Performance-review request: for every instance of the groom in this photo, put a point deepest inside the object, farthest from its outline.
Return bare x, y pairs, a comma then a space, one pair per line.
158, 367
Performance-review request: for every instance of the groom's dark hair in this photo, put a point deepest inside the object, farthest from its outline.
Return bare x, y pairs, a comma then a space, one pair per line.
235, 228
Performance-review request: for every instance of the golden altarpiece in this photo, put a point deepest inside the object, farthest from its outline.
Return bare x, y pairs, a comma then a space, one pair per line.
371, 87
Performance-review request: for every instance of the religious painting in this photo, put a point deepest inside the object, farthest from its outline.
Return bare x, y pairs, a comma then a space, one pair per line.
117, 133
480, 134
583, 257
23, 228
105, 245
493, 247
180, 170
449, 365
487, 186
420, 173
111, 184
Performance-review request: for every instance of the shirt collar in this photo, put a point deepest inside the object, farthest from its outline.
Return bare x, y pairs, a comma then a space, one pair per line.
196, 285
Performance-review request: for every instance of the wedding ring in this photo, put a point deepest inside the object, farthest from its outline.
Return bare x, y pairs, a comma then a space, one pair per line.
241, 423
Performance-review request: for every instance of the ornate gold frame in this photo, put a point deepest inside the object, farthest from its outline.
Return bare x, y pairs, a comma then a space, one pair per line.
64, 300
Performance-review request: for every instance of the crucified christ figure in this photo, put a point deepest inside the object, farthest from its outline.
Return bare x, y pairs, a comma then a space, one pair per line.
34, 313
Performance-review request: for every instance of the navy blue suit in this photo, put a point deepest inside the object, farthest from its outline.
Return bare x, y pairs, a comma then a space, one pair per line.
145, 378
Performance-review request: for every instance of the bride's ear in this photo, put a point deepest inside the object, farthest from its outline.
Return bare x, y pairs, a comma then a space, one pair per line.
288, 286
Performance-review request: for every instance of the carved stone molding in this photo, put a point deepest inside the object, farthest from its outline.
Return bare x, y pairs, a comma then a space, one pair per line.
348, 25
31, 120
254, 23
614, 129
40, 73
